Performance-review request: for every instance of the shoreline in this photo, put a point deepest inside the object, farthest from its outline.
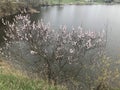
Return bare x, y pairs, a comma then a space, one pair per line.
32, 10
78, 4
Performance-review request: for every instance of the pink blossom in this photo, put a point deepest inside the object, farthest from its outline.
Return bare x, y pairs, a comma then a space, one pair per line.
33, 52
71, 51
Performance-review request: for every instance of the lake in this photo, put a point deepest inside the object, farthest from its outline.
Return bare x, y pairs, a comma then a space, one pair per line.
90, 17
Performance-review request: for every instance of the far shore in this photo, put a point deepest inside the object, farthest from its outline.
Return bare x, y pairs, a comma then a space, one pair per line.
34, 9
79, 4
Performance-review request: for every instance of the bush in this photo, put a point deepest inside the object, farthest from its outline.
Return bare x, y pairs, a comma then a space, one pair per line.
65, 56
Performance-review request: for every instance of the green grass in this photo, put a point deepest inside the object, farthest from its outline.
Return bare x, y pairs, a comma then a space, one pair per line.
79, 2
12, 79
67, 1
12, 82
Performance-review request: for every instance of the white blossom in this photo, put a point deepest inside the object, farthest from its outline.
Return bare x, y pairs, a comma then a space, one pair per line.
33, 52
71, 50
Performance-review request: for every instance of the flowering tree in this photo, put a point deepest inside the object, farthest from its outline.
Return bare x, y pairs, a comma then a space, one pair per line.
62, 53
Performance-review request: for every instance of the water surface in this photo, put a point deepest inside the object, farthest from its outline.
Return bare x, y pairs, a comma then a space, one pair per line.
90, 17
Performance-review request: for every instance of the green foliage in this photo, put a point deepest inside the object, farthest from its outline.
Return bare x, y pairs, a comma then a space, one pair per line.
75, 1
11, 82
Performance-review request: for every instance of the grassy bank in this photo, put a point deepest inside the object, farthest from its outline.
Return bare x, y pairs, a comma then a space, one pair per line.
11, 8
12, 80
75, 2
